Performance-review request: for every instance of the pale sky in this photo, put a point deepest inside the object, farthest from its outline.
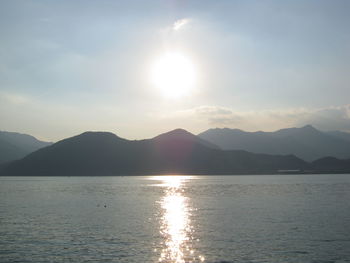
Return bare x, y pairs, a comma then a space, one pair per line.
71, 66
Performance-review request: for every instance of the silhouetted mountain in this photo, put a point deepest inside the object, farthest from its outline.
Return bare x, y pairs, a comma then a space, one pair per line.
331, 165
175, 152
307, 142
184, 136
15, 146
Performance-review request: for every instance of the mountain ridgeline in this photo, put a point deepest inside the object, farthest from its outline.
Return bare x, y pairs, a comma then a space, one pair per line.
306, 143
15, 146
175, 152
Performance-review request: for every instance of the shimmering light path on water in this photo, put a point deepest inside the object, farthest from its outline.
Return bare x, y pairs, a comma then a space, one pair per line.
176, 227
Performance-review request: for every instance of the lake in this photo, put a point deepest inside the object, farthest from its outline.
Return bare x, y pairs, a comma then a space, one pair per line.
266, 218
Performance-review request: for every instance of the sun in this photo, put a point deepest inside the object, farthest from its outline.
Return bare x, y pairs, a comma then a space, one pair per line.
173, 74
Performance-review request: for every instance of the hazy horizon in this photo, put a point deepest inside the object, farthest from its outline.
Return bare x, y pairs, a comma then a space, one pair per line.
71, 66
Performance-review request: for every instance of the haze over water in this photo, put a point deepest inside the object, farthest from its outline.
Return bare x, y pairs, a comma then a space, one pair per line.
269, 218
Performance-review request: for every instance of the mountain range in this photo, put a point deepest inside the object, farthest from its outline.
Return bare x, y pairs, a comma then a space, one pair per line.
15, 146
174, 152
306, 143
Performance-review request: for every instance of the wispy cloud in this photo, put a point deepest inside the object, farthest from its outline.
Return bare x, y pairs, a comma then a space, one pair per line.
180, 23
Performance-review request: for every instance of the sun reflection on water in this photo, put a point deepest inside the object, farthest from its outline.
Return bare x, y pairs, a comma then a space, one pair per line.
175, 226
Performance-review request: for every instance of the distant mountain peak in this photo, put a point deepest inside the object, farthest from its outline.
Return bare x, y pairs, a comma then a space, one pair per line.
185, 136
176, 134
97, 136
224, 130
307, 130
309, 127
98, 133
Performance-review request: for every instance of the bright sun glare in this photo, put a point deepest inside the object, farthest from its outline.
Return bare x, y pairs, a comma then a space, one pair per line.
174, 75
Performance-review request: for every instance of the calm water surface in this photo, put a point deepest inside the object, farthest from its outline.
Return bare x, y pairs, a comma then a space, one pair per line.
269, 218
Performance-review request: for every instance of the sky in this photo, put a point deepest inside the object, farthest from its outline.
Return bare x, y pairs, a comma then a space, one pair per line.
72, 66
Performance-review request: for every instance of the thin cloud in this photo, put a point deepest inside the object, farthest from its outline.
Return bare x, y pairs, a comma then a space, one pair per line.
180, 23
